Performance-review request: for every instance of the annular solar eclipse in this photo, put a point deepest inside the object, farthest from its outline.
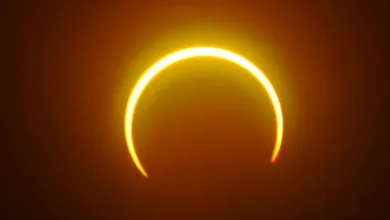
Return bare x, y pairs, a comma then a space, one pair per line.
187, 53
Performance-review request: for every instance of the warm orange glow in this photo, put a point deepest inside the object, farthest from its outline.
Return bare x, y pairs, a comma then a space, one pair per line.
177, 56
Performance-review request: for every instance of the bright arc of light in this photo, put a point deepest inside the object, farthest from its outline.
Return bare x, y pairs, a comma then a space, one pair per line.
184, 54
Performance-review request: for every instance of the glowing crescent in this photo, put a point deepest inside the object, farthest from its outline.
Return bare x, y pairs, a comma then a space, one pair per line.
183, 54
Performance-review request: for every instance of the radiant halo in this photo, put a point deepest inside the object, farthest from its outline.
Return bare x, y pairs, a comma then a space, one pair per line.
184, 54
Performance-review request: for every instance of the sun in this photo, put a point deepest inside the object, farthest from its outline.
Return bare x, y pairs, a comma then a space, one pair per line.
187, 53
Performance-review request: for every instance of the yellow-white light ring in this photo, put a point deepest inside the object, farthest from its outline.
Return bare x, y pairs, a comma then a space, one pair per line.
183, 54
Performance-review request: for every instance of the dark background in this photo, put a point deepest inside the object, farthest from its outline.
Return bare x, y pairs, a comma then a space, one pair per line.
204, 131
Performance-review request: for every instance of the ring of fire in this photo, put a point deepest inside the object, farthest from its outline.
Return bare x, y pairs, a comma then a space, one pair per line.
184, 54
